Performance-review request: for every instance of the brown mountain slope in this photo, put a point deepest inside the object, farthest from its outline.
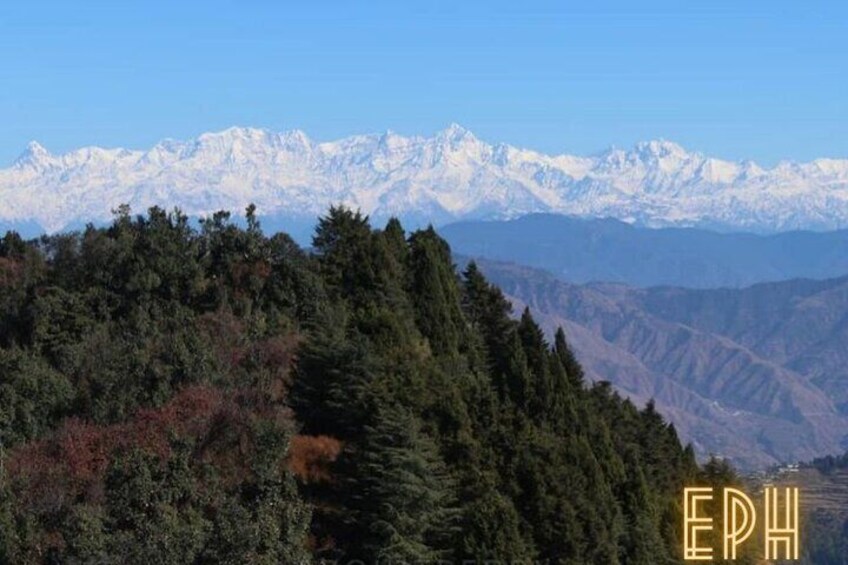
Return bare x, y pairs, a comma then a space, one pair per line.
801, 325
754, 374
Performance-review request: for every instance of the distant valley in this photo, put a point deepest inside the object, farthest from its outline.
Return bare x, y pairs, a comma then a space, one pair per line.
756, 374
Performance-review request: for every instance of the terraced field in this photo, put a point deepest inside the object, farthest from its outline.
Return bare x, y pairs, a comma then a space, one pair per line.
824, 512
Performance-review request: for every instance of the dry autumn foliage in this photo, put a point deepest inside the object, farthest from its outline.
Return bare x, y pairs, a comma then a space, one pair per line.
311, 457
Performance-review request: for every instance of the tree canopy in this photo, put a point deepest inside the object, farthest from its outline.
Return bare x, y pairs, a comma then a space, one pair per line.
181, 394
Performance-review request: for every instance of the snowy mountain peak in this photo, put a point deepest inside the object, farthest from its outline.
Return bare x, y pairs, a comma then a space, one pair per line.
33, 155
660, 148
295, 140
454, 129
448, 176
455, 133
234, 133
233, 136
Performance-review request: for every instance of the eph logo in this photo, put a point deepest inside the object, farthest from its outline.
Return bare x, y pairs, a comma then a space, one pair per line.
780, 530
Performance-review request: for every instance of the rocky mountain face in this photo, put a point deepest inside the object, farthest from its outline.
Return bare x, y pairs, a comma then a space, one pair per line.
452, 175
587, 250
756, 374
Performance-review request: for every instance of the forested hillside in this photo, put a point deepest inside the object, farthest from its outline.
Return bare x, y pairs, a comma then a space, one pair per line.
180, 395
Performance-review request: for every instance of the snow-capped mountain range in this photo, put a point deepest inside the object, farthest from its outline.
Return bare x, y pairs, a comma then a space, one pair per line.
452, 175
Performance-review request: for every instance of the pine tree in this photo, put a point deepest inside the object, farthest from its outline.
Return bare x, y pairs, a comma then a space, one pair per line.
536, 351
403, 497
435, 292
395, 239
642, 543
491, 529
568, 360
350, 258
333, 392
488, 311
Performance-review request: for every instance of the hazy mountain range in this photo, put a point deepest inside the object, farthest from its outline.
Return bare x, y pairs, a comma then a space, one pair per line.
586, 250
757, 374
452, 175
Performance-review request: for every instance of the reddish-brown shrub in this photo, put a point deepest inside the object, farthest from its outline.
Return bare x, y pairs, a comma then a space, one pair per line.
226, 334
311, 457
247, 277
73, 461
10, 272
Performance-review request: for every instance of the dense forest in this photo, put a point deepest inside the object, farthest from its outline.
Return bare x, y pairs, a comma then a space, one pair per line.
172, 393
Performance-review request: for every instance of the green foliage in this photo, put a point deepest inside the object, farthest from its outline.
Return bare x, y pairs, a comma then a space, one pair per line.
152, 375
401, 493
33, 397
435, 293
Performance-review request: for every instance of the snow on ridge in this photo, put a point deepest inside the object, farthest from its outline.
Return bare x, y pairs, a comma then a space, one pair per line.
450, 175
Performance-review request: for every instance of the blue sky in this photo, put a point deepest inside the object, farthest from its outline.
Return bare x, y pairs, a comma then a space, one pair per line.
761, 80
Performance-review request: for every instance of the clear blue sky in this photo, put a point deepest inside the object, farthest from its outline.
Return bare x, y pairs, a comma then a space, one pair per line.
765, 80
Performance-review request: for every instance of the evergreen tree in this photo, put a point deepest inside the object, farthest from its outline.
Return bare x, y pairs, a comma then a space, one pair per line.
333, 395
403, 502
567, 358
435, 292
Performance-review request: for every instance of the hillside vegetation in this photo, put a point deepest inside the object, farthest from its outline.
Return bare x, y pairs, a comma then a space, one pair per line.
180, 395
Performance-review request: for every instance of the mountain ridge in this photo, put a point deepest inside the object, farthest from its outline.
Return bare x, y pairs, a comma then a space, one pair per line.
756, 374
449, 176
608, 250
